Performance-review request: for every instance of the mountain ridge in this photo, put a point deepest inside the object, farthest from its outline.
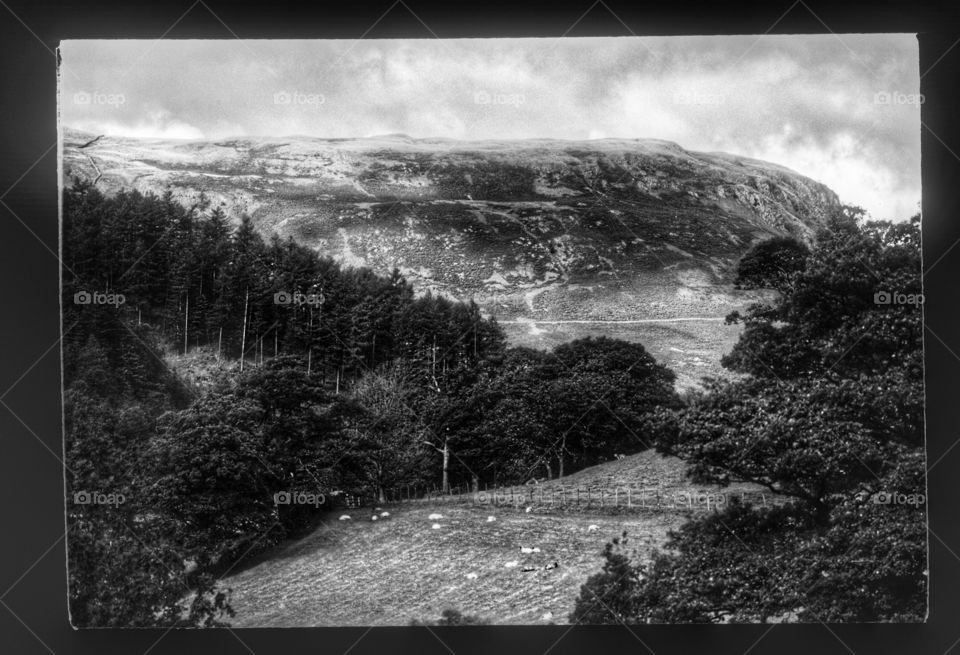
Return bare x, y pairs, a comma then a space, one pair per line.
585, 236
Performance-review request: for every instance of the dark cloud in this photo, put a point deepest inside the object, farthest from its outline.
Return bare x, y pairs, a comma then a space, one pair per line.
817, 104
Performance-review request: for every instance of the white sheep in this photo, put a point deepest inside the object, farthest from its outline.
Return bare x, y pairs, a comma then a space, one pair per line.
345, 517
526, 550
189, 566
373, 518
547, 616
528, 510
491, 519
435, 517
435, 526
471, 576
593, 528
512, 564
384, 514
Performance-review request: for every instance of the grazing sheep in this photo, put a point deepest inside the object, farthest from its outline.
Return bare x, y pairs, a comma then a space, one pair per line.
384, 514
547, 616
373, 518
345, 517
593, 528
526, 550
435, 517
528, 510
471, 576
377, 509
435, 526
527, 569
551, 566
491, 519
189, 566
620, 456
512, 564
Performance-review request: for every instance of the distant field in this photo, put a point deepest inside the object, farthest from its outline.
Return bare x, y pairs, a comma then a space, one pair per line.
393, 570
691, 349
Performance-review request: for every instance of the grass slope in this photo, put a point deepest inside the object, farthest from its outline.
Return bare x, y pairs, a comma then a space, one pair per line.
388, 572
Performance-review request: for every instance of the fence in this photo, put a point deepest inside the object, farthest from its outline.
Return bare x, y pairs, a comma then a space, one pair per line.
583, 497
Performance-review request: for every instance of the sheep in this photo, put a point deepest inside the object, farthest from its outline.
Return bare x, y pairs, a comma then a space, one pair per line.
491, 519
189, 566
620, 456
471, 576
435, 526
547, 616
384, 514
526, 550
551, 566
435, 517
345, 517
373, 518
528, 510
593, 528
512, 564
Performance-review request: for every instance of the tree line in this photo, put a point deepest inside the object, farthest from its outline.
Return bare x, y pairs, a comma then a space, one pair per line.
356, 385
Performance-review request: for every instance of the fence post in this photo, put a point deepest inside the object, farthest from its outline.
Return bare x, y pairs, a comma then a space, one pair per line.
628, 497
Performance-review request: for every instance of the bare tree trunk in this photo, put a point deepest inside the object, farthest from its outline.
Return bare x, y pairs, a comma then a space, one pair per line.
446, 465
243, 338
186, 322
563, 447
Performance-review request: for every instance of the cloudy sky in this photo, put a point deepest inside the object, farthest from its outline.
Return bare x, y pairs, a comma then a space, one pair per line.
842, 110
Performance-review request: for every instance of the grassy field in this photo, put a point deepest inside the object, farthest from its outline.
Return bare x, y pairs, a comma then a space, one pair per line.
361, 572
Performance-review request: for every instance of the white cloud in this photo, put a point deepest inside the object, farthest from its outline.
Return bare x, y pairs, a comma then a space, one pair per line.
804, 101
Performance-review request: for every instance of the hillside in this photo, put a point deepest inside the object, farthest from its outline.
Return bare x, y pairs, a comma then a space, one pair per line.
555, 239
361, 572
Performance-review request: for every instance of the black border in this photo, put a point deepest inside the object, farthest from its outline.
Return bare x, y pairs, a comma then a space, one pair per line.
33, 616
